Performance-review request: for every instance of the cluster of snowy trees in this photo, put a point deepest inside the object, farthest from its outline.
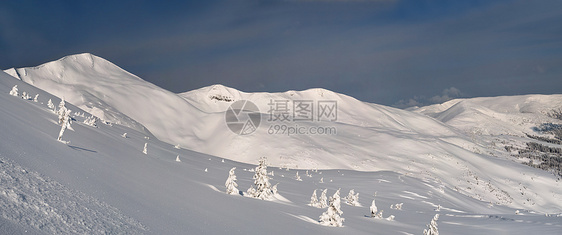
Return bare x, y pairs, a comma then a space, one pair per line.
432, 226
91, 121
262, 188
24, 95
64, 118
352, 198
319, 203
332, 217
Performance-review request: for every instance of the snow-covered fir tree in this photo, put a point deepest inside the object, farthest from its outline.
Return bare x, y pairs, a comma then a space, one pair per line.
14, 91
62, 108
231, 183
64, 121
314, 200
352, 198
432, 226
323, 199
50, 105
373, 209
297, 177
332, 217
262, 188
145, 150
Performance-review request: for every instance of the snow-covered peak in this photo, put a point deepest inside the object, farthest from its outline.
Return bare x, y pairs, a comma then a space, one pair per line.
99, 87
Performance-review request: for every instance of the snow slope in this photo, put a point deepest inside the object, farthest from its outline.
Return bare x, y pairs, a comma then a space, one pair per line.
504, 115
369, 137
101, 183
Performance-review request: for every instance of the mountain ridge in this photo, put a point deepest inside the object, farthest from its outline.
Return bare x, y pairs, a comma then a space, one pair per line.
370, 137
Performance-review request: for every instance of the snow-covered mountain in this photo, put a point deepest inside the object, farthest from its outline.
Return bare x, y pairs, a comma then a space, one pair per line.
100, 182
504, 115
195, 119
432, 151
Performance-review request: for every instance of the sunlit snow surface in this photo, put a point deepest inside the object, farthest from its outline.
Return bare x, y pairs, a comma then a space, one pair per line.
103, 182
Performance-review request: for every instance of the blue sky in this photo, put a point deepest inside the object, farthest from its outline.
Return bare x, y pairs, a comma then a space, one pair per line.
392, 52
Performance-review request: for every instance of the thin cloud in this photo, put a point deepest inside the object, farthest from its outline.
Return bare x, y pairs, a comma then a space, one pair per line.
419, 101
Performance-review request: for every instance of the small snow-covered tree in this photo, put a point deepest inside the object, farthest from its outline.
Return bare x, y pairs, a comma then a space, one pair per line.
314, 200
352, 198
373, 209
145, 150
25, 96
231, 183
262, 188
274, 189
432, 227
332, 217
397, 206
379, 215
50, 105
297, 177
324, 199
62, 108
91, 121
36, 98
65, 122
14, 91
